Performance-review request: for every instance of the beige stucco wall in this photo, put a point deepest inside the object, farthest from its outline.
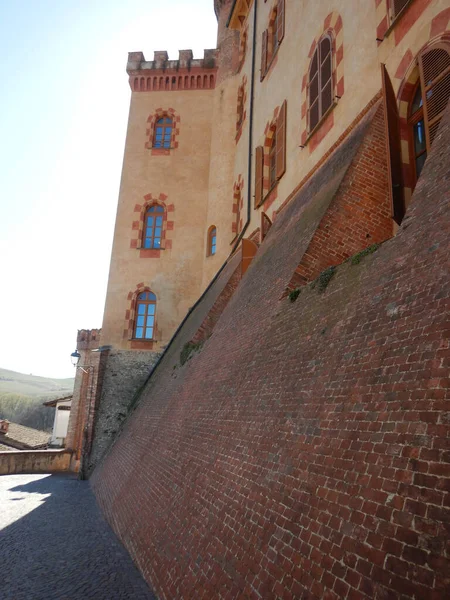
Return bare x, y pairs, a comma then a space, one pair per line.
34, 461
176, 276
361, 65
198, 176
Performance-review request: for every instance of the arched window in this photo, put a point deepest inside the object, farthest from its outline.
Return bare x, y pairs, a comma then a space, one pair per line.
163, 133
212, 238
434, 66
320, 84
428, 103
153, 227
145, 316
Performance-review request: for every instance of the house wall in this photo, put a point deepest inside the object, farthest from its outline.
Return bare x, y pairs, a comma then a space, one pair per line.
60, 424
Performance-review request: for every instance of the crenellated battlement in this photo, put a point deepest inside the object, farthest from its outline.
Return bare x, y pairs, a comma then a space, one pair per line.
88, 339
162, 74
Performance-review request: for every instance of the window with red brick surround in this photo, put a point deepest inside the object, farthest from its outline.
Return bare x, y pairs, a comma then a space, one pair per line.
142, 295
146, 233
323, 81
272, 36
320, 84
163, 129
153, 227
162, 137
434, 68
270, 159
145, 316
241, 113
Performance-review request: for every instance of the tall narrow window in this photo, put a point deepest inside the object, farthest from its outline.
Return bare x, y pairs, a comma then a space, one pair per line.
417, 132
434, 66
153, 227
212, 241
240, 107
274, 35
273, 161
320, 85
145, 316
163, 133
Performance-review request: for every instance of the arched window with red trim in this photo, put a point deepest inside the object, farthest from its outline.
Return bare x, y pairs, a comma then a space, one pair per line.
212, 241
145, 316
428, 102
320, 82
153, 227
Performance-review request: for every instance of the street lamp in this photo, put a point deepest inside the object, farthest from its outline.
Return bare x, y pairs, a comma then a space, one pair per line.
75, 357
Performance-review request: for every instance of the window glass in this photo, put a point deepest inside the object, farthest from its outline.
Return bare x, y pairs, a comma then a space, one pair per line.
163, 133
153, 227
145, 319
212, 237
320, 82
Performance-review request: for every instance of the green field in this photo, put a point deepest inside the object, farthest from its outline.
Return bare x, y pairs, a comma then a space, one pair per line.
22, 397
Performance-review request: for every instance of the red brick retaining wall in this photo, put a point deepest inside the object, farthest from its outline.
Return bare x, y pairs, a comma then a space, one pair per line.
304, 451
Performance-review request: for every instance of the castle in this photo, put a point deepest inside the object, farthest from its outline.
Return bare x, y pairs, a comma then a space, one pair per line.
248, 389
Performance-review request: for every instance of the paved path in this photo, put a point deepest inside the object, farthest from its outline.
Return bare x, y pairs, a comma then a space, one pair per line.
55, 545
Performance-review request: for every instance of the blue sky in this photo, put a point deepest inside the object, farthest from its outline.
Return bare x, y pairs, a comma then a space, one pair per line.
64, 108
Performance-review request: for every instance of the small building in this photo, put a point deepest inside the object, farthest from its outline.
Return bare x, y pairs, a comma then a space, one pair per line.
18, 437
61, 422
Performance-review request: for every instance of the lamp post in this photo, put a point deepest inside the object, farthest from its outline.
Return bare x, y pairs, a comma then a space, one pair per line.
75, 358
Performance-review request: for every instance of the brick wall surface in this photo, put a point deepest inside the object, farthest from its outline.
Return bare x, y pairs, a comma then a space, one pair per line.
304, 451
360, 214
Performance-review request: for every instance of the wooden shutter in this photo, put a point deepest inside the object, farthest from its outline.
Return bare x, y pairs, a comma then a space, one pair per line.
264, 54
259, 173
280, 20
249, 249
434, 66
266, 224
281, 141
393, 148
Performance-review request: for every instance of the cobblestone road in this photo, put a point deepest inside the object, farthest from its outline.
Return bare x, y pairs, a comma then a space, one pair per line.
55, 545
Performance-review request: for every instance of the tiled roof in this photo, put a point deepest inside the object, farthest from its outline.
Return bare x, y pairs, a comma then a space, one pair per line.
24, 437
4, 448
54, 401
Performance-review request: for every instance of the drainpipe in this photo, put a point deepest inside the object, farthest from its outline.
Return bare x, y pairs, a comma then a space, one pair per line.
217, 275
250, 127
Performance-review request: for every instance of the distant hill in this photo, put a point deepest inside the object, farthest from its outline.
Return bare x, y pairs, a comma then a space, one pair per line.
21, 398
32, 385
